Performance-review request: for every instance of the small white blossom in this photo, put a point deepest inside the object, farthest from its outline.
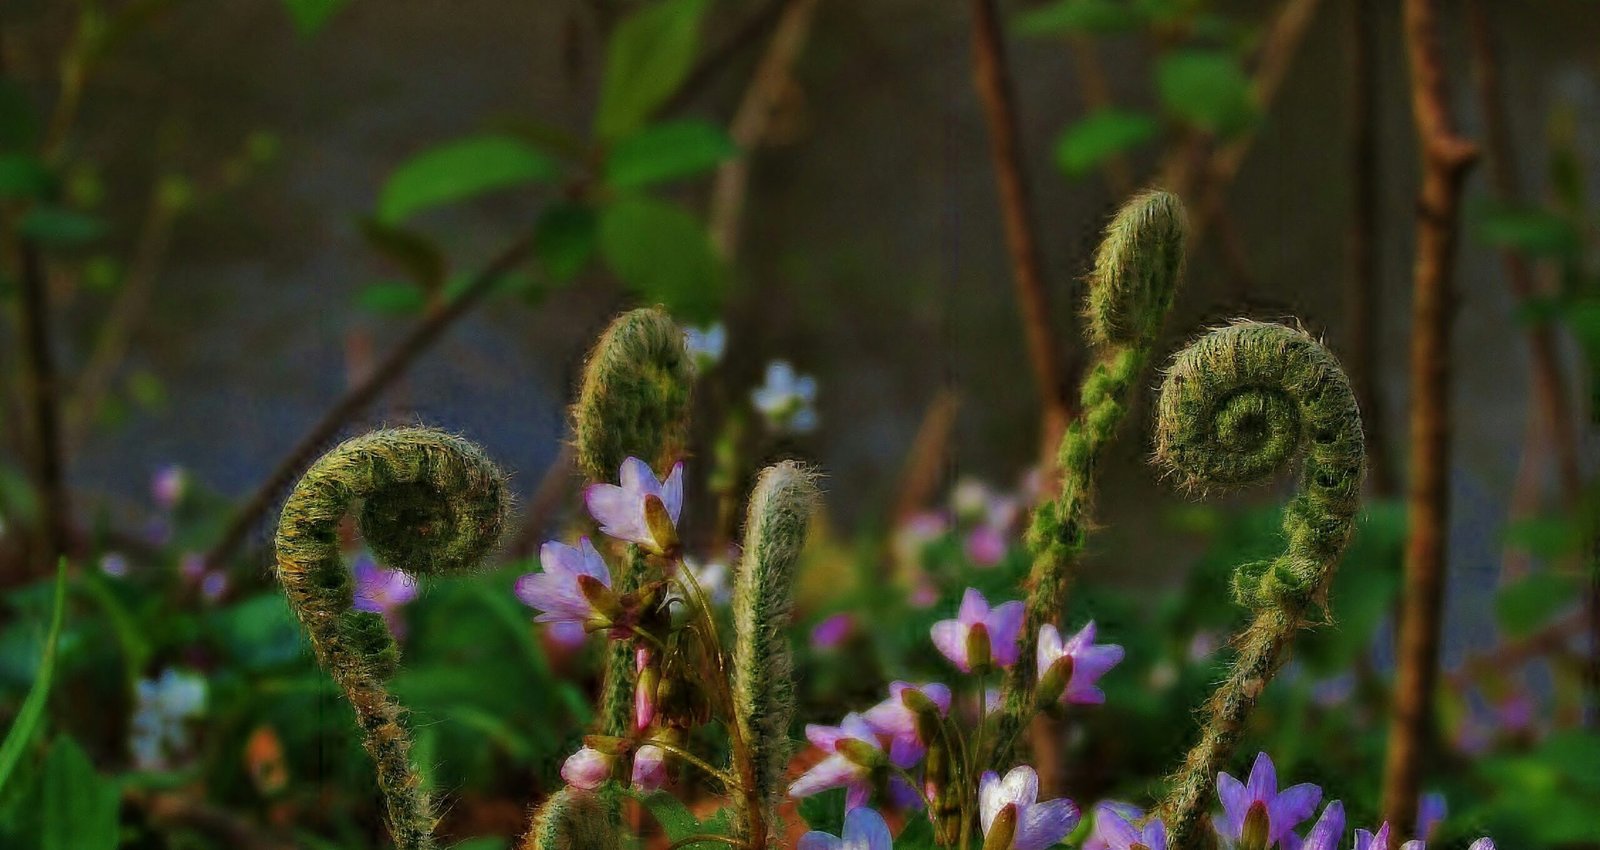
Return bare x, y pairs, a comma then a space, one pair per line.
787, 399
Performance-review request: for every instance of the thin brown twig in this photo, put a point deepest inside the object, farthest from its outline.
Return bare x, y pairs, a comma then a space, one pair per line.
1362, 285
357, 398
44, 406
751, 120
1446, 158
993, 78
711, 67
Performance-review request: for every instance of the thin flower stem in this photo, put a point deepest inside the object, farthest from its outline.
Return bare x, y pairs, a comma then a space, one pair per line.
723, 776
927, 805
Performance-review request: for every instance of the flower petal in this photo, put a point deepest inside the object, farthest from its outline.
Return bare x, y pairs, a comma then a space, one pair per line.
835, 771
864, 829
1005, 626
672, 492
973, 607
1045, 824
1291, 808
950, 636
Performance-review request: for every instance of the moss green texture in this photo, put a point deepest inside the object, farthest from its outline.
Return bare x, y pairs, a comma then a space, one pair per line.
778, 517
1237, 405
571, 820
428, 503
1131, 287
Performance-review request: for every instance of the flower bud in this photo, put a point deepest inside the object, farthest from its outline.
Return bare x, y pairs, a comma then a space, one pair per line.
1004, 829
662, 531
1055, 680
926, 712
1255, 832
607, 606
861, 753
979, 657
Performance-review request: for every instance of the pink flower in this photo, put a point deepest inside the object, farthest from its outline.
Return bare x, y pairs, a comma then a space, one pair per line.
558, 592
621, 511
587, 768
986, 545
168, 485
1089, 662
1325, 835
649, 768
1001, 626
1036, 825
893, 719
854, 751
833, 631
1114, 829
382, 591
644, 696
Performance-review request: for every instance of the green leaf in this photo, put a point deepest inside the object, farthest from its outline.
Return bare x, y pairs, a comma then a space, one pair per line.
412, 252
1101, 135
460, 170
24, 177
392, 298
663, 253
1545, 537
649, 55
32, 711
564, 239
1079, 16
259, 633
60, 226
1529, 230
824, 812
1528, 603
667, 152
78, 807
1207, 88
310, 16
918, 835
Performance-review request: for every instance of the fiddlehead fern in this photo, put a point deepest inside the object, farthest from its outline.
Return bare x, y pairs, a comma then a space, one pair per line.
763, 666
428, 503
1135, 275
571, 820
1238, 404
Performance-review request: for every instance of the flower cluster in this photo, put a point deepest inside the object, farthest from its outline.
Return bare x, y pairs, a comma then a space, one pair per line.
910, 751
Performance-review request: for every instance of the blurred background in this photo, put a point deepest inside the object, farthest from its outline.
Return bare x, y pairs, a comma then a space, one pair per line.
236, 234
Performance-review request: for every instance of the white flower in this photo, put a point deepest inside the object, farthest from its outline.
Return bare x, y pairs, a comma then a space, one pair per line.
787, 399
164, 705
706, 344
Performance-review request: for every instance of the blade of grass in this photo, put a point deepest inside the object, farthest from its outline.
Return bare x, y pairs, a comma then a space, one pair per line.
32, 712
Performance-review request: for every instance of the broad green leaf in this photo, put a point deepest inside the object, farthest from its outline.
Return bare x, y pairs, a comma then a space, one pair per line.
1545, 537
461, 170
667, 152
25, 177
392, 298
32, 711
824, 812
1525, 605
414, 253
564, 239
918, 835
1207, 88
1532, 231
60, 226
649, 55
663, 253
78, 807
310, 16
1079, 16
675, 818
1101, 135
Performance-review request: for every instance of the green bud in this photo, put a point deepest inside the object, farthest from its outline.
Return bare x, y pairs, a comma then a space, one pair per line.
1254, 834
862, 753
661, 527
979, 656
926, 712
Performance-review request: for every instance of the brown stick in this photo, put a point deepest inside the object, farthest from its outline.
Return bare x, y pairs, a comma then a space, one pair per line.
994, 88
43, 401
1446, 158
1362, 287
750, 122
357, 398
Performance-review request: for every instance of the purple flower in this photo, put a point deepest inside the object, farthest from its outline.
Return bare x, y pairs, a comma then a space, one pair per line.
622, 511
894, 720
985, 545
644, 692
1258, 801
114, 564
558, 592
382, 591
587, 768
864, 829
213, 585
832, 631
854, 750
1089, 662
1001, 626
1373, 840
566, 634
168, 485
1431, 809
1114, 829
649, 768
1013, 803
1325, 835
